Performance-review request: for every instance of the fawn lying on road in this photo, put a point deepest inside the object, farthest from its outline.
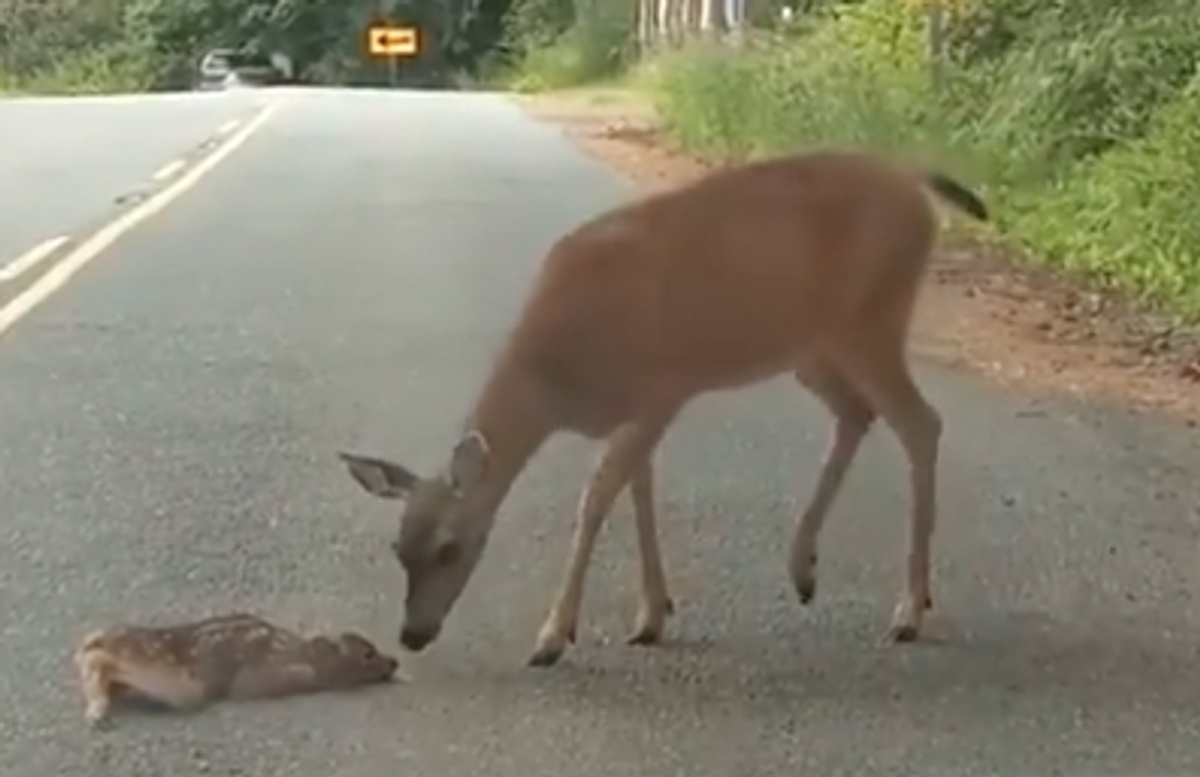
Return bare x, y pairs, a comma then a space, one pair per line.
237, 656
808, 264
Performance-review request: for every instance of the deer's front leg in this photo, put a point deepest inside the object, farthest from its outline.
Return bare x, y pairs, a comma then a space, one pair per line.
627, 449
655, 603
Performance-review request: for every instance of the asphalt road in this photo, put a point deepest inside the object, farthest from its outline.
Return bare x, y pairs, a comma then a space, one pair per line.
168, 423
64, 162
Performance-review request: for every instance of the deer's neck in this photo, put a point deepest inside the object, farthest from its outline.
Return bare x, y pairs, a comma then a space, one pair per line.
515, 417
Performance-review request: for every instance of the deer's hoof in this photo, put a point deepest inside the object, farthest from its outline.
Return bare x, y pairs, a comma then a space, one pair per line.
651, 623
550, 647
645, 635
546, 656
98, 721
804, 577
806, 589
901, 632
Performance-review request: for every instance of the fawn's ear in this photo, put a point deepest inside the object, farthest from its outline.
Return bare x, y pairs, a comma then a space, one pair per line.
379, 477
468, 462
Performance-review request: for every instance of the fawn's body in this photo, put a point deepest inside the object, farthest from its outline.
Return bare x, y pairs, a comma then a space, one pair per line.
237, 656
807, 264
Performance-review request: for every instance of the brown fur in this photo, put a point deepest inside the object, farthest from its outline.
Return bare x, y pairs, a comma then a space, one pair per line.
808, 264
237, 656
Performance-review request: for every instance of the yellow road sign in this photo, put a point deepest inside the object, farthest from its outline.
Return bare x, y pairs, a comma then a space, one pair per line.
392, 41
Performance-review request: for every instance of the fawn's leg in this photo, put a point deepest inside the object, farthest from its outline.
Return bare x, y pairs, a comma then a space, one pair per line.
655, 603
96, 676
852, 420
628, 447
880, 373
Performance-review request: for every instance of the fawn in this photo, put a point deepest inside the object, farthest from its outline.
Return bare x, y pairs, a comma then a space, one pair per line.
187, 666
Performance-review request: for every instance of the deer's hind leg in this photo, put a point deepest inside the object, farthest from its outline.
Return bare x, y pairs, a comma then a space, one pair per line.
877, 367
656, 602
853, 417
97, 679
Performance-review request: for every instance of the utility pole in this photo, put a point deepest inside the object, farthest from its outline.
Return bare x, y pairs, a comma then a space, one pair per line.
386, 9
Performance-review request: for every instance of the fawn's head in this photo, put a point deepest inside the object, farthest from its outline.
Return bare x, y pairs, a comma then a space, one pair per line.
443, 528
362, 662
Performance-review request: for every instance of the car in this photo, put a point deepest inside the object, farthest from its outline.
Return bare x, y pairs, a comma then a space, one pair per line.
214, 67
225, 67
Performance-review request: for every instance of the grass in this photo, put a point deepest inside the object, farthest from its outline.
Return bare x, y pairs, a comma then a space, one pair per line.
1084, 135
105, 70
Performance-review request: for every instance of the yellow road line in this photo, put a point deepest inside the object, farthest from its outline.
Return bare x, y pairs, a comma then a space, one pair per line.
168, 170
31, 258
58, 275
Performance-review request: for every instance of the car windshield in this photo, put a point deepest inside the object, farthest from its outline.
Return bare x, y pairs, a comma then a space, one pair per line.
217, 61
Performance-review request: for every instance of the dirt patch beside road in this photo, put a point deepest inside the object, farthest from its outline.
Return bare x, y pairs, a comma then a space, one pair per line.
1017, 324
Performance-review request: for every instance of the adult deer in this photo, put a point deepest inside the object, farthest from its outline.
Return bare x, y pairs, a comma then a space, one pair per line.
807, 264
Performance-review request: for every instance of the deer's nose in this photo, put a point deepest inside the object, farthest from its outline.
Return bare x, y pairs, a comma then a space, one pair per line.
416, 640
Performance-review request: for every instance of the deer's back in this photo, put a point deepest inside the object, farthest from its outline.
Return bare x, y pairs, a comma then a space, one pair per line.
724, 281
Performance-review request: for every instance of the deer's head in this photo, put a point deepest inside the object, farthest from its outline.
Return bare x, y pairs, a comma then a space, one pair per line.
444, 525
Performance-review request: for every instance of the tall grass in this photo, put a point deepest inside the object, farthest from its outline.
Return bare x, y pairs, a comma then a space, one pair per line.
555, 44
105, 70
1081, 126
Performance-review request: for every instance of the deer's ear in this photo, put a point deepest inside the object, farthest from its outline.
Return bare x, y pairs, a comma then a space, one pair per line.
468, 462
379, 477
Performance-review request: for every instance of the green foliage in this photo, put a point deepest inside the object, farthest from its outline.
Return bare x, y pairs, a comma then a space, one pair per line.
106, 70
533, 24
561, 43
779, 94
101, 45
34, 34
1076, 120
1128, 217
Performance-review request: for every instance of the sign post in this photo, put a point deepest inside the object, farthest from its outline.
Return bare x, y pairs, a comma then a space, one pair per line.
392, 42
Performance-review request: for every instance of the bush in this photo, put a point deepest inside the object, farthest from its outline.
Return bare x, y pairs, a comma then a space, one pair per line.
782, 93
1071, 118
107, 70
553, 49
1128, 217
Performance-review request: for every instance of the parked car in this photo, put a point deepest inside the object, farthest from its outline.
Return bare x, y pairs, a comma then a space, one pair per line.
224, 68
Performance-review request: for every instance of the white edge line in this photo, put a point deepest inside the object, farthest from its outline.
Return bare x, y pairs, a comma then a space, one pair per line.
168, 170
31, 258
58, 275
228, 126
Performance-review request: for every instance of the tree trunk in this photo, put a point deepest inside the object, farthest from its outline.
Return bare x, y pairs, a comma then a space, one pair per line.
662, 22
646, 10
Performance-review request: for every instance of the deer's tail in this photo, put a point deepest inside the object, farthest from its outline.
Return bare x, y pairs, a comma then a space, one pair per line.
956, 194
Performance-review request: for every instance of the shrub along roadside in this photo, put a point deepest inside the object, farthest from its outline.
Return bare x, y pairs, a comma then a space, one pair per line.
1082, 134
557, 44
107, 70
1129, 217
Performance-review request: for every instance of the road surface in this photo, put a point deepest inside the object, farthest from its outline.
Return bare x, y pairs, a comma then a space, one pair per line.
66, 161
168, 423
